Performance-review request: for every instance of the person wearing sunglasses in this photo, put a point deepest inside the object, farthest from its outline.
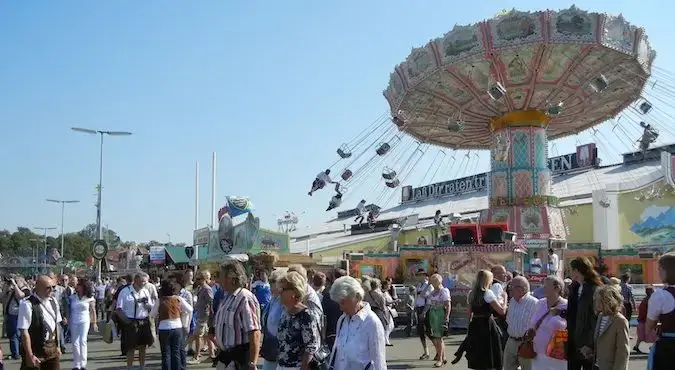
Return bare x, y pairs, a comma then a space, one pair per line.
38, 318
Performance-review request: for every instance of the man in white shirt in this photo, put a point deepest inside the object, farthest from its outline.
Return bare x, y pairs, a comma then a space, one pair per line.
38, 323
134, 304
320, 181
553, 262
535, 264
521, 309
100, 289
422, 291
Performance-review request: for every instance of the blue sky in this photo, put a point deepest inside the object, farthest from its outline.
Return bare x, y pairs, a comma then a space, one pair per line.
273, 87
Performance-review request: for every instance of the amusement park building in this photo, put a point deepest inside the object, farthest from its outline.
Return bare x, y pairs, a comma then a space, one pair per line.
630, 205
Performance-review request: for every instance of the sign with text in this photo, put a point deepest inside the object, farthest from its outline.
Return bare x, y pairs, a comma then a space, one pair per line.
157, 254
585, 157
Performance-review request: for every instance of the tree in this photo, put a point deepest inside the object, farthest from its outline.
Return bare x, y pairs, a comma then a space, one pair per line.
108, 235
77, 246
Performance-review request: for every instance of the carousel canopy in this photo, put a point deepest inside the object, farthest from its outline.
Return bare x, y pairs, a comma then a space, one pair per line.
578, 68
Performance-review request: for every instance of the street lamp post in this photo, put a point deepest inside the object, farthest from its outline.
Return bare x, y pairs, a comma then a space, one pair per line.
63, 212
44, 236
101, 133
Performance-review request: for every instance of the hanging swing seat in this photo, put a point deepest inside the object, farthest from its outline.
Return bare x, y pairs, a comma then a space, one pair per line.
456, 126
496, 91
645, 107
599, 84
398, 121
383, 149
347, 174
392, 183
554, 110
388, 173
344, 152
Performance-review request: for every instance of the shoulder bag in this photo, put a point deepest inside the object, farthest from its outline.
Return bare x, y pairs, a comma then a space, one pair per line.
324, 358
526, 348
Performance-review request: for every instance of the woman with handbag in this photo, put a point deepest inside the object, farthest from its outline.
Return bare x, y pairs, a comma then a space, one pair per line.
298, 332
550, 313
438, 312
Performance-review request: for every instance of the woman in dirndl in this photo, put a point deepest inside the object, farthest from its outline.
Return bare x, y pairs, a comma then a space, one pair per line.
437, 311
661, 314
484, 337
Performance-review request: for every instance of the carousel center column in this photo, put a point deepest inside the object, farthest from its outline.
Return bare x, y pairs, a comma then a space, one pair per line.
519, 187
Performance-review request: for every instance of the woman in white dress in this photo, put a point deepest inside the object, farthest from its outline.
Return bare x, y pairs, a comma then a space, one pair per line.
82, 315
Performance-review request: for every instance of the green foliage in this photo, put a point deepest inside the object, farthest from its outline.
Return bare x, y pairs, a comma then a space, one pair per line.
77, 246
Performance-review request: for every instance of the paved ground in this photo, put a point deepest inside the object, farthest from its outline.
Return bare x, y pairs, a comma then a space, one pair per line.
403, 355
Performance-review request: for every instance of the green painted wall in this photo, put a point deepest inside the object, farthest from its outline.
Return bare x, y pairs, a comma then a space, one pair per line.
371, 246
580, 225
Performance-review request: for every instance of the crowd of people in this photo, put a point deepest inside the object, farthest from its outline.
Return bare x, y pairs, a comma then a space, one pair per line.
295, 320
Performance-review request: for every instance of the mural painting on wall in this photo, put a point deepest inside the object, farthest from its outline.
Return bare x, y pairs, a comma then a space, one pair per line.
371, 270
656, 224
461, 268
412, 265
635, 270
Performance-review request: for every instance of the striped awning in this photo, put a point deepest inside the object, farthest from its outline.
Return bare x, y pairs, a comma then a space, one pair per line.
488, 248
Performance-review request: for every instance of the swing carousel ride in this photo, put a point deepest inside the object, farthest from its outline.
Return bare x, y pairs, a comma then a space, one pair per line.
509, 85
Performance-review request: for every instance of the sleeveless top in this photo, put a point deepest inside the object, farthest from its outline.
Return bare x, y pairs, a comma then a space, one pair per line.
668, 319
169, 308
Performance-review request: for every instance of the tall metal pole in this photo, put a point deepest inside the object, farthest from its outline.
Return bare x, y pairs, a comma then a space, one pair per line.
213, 191
196, 195
100, 178
98, 203
63, 214
63, 211
44, 230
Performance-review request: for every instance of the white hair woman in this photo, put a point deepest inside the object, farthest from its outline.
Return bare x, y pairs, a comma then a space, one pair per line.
438, 312
360, 334
298, 332
547, 320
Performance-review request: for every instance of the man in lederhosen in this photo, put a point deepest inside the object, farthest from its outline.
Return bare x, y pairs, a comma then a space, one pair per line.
133, 310
38, 318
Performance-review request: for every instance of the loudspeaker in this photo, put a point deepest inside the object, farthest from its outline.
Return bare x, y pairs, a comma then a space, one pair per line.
464, 237
493, 235
463, 234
